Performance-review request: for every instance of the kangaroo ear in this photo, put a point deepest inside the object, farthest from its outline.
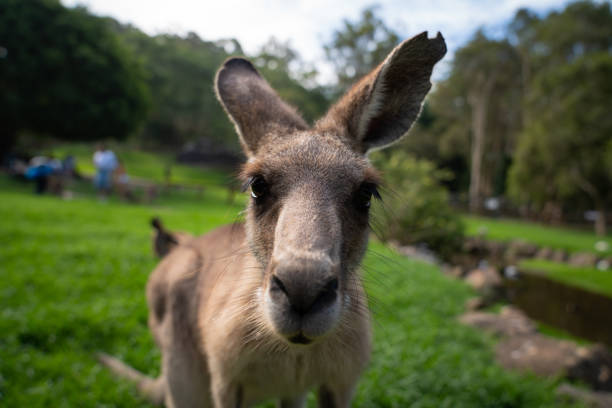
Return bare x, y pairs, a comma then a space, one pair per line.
252, 104
381, 107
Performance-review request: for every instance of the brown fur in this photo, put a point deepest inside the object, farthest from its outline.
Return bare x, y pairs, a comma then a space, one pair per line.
275, 307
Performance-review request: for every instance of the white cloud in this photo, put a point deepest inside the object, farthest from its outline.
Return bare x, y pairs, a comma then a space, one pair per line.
307, 24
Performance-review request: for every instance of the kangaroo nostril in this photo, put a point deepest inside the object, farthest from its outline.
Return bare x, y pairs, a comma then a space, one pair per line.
326, 296
303, 294
277, 285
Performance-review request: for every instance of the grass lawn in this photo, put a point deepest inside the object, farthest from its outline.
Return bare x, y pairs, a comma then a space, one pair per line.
571, 240
587, 278
73, 276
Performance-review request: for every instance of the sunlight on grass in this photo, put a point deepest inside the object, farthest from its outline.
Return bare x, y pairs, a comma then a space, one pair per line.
571, 240
587, 278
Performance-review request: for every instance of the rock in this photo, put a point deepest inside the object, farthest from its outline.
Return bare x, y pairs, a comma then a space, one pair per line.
420, 253
475, 246
583, 259
454, 271
559, 256
476, 303
518, 249
535, 353
589, 398
496, 248
603, 265
544, 253
549, 357
593, 367
484, 278
510, 322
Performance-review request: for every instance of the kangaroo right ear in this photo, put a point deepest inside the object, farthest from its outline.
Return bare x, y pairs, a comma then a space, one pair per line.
252, 104
381, 107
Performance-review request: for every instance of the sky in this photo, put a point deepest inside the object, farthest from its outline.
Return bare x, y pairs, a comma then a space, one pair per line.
308, 24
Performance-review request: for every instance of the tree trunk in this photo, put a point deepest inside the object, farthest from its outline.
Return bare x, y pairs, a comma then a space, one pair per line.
600, 222
479, 102
598, 201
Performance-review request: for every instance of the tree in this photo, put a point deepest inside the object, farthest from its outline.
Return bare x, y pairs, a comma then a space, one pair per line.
180, 72
65, 74
282, 66
557, 164
359, 46
478, 106
564, 149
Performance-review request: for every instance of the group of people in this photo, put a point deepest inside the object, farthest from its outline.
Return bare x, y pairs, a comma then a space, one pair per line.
52, 175
47, 172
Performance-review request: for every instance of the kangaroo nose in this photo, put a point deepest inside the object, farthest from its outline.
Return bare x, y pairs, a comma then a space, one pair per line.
303, 294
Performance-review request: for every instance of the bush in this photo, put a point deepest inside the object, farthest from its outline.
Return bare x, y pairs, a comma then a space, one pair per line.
415, 208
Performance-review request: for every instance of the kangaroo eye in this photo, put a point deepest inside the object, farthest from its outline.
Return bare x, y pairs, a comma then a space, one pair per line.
363, 197
259, 187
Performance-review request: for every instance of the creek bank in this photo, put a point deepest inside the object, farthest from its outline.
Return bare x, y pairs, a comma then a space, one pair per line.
522, 348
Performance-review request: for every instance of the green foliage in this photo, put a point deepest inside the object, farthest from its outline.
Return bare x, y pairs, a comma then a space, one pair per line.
358, 47
416, 208
568, 239
73, 276
477, 111
525, 98
562, 151
181, 73
66, 74
288, 74
587, 278
181, 78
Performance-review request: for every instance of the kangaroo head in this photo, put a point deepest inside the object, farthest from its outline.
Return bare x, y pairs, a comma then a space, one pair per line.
307, 220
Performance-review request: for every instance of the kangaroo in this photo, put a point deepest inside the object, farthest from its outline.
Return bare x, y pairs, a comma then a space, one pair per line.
275, 307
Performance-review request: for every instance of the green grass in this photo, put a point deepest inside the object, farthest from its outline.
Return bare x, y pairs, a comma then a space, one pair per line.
584, 277
73, 276
569, 239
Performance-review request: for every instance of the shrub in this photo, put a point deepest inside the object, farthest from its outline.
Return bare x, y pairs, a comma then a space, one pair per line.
415, 208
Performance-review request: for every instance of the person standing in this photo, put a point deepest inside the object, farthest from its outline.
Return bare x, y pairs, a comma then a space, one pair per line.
105, 162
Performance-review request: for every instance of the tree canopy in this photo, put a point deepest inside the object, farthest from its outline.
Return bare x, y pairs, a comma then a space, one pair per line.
359, 46
65, 74
524, 114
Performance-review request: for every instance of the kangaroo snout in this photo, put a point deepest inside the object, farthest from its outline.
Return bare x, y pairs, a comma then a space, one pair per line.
303, 299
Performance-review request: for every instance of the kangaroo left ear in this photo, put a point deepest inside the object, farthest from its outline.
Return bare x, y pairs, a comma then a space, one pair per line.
380, 108
252, 104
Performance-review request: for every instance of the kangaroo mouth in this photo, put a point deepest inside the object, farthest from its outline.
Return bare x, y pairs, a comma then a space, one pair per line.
300, 339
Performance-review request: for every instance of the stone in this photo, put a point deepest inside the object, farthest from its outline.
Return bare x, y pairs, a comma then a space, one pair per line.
476, 303
593, 399
454, 271
521, 249
509, 322
537, 354
484, 278
583, 259
559, 255
593, 367
544, 253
